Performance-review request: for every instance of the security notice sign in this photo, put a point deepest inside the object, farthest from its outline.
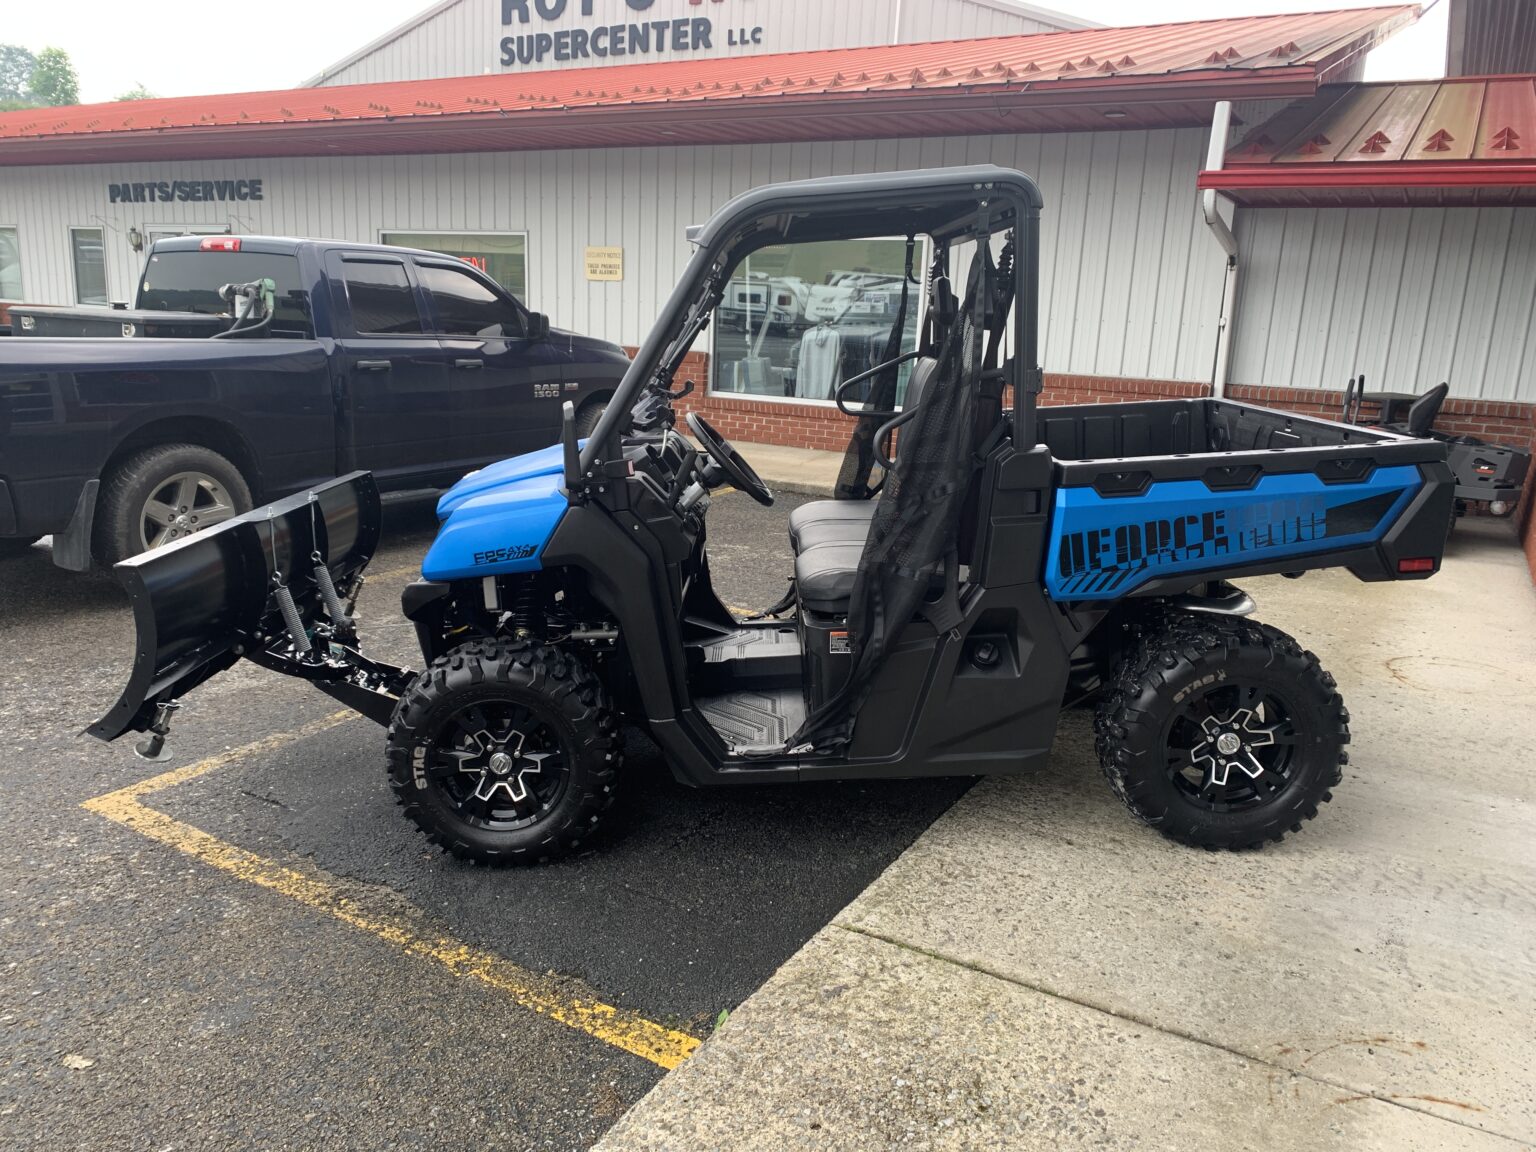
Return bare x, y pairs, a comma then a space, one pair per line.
605, 263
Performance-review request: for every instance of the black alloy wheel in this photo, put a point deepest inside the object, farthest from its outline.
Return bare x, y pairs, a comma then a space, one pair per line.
505, 753
1221, 732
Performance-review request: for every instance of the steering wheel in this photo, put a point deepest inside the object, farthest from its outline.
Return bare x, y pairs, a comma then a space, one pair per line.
730, 460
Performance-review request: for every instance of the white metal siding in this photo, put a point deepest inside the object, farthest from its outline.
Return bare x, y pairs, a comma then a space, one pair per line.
464, 39
1409, 296
1131, 284
924, 20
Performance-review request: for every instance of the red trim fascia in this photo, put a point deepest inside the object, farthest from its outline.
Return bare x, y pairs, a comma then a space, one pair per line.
653, 123
1394, 174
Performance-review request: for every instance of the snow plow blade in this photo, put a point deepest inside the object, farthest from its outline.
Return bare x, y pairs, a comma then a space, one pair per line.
203, 603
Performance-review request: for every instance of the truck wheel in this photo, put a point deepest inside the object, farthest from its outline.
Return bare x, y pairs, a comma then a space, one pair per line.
586, 419
13, 546
1222, 732
162, 494
505, 754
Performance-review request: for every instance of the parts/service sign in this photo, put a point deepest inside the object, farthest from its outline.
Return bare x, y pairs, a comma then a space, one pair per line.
638, 28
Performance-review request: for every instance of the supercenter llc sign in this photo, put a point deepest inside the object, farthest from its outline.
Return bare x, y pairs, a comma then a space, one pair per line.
635, 36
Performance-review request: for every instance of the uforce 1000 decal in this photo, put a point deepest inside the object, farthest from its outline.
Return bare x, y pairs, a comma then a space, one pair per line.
1105, 547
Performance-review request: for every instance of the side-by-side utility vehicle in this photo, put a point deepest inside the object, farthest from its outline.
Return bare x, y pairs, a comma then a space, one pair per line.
1013, 561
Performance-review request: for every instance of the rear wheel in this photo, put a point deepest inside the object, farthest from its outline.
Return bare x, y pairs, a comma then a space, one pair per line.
505, 754
164, 494
13, 546
1222, 733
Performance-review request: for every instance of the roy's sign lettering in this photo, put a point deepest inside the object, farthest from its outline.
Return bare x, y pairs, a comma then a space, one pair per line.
631, 38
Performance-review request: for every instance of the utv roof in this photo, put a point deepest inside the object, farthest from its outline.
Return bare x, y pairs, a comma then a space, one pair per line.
886, 202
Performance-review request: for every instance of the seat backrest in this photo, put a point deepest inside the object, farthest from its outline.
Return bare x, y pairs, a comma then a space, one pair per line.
1422, 412
923, 369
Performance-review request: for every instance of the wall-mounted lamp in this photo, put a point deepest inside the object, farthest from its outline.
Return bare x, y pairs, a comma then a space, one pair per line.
135, 239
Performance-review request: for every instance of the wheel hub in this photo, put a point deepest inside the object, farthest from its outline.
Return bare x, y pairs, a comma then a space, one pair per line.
501, 766
1230, 744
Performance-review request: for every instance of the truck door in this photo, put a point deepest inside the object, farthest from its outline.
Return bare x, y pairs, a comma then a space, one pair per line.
506, 384
394, 378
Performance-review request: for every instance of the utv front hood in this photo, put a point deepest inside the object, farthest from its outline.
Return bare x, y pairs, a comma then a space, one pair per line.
545, 462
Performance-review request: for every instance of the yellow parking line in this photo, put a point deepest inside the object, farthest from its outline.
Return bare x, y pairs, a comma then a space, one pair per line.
355, 905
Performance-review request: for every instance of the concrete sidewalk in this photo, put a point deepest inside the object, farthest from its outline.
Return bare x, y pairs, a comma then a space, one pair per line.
1039, 971
807, 471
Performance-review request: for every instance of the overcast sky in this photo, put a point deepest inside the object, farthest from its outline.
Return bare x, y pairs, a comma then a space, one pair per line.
188, 47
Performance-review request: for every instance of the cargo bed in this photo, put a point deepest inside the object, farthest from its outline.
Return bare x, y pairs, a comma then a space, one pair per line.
1159, 496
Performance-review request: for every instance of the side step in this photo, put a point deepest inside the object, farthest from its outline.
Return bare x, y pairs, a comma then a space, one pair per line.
755, 720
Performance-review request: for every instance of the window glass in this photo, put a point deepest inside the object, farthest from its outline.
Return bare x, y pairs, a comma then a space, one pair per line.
503, 257
190, 282
10, 265
798, 319
466, 307
90, 259
381, 298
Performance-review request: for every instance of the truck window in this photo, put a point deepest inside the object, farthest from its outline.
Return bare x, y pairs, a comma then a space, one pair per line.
465, 306
189, 281
381, 298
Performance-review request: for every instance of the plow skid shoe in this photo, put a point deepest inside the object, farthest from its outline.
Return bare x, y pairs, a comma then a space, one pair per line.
202, 603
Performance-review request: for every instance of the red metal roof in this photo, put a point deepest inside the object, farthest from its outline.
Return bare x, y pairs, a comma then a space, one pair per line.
1463, 141
1157, 76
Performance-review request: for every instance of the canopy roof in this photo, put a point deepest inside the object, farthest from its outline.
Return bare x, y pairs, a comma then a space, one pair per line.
1465, 141
1154, 76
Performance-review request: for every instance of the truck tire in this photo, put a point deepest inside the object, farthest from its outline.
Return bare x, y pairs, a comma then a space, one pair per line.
14, 546
504, 754
1222, 732
588, 416
162, 494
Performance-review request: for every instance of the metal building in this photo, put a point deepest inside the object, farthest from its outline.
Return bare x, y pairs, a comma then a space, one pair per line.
564, 147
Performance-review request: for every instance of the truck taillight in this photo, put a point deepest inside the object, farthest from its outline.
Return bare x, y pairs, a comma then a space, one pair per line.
220, 244
1417, 564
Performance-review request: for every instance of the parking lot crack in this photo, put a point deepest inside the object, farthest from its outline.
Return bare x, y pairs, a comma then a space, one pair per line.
1351, 1092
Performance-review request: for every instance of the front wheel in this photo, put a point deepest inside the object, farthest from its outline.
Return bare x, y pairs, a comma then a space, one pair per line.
505, 754
1222, 732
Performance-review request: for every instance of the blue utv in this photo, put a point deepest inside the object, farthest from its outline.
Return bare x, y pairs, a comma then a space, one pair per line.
1011, 560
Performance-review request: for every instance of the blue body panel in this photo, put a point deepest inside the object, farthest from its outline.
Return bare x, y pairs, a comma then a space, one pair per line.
545, 462
1103, 548
498, 520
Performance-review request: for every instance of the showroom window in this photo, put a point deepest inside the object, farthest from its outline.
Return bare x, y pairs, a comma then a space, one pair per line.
10, 265
88, 252
503, 256
799, 319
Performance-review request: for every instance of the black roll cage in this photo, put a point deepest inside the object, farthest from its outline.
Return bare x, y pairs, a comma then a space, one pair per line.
941, 203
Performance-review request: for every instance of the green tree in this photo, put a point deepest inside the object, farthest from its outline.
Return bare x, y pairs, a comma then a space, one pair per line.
137, 92
16, 65
53, 80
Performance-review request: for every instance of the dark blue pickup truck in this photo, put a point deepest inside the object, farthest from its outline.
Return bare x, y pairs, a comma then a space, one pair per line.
412, 365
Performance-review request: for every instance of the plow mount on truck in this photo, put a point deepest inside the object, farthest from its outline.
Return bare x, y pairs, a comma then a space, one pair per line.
275, 586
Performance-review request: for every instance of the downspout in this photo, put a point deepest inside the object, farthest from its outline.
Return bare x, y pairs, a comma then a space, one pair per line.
1221, 126
896, 26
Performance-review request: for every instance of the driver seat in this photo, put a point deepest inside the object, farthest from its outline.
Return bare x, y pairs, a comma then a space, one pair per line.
847, 521
828, 536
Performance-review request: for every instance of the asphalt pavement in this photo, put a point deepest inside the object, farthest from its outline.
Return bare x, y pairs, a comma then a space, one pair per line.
260, 952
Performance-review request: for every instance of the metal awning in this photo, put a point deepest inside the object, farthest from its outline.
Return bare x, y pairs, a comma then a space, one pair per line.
1468, 141
1157, 76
